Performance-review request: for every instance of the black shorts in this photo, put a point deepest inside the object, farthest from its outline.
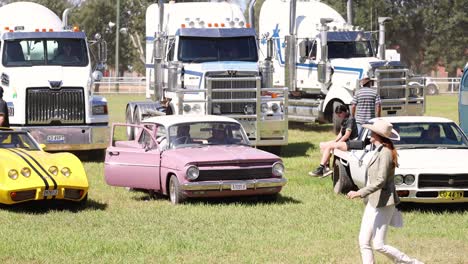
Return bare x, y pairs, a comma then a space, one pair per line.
354, 144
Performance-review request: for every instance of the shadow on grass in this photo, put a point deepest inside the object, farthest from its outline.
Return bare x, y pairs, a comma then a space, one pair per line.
297, 149
434, 208
311, 127
44, 207
244, 200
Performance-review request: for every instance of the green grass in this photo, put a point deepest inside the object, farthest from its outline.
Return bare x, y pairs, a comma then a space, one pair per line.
309, 224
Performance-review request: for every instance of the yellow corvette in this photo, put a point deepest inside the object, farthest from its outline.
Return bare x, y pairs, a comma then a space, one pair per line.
29, 173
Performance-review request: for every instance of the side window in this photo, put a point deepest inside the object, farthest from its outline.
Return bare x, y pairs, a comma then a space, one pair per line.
146, 141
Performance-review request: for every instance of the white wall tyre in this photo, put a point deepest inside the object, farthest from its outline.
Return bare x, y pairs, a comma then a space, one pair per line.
175, 194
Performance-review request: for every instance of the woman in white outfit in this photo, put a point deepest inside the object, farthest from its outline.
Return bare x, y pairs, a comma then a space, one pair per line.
380, 196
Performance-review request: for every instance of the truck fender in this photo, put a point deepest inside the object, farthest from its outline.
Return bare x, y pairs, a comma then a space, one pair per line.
337, 94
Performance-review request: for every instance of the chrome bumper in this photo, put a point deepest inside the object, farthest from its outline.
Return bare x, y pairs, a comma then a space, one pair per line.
69, 138
226, 185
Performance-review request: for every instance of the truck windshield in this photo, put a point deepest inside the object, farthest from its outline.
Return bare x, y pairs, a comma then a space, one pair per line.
196, 49
349, 49
39, 52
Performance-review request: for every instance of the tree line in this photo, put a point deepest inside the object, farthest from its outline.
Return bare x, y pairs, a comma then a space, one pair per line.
427, 33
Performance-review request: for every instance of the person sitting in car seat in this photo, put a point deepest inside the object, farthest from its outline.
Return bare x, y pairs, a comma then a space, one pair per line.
218, 135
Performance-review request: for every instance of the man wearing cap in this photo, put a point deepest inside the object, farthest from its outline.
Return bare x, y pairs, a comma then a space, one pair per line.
4, 121
367, 101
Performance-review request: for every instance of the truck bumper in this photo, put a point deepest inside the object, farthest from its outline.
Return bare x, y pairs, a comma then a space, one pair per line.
70, 138
304, 110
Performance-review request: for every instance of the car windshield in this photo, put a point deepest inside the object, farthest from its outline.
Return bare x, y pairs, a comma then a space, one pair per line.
40, 52
196, 49
198, 134
13, 139
429, 135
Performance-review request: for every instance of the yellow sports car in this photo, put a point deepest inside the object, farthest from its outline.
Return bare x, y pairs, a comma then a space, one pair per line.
29, 173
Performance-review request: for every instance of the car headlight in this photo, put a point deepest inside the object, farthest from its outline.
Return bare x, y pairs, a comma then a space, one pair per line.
192, 172
13, 174
275, 107
187, 108
278, 169
26, 172
65, 171
399, 179
409, 179
264, 107
53, 170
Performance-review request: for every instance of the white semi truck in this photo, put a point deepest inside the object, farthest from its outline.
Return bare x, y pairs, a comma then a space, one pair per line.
202, 58
46, 74
324, 58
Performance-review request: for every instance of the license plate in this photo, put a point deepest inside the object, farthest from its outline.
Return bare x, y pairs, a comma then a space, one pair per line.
50, 193
238, 187
451, 194
55, 138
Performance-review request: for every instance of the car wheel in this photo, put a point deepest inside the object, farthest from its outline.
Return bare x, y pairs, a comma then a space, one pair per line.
129, 120
136, 121
432, 89
335, 120
342, 182
175, 193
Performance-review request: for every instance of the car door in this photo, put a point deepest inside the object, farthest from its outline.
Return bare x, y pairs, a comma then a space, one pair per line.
134, 163
358, 161
463, 101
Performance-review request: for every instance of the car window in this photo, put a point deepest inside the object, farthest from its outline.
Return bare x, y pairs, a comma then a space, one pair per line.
146, 141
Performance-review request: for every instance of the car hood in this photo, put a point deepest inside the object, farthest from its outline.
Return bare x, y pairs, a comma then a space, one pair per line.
428, 159
218, 154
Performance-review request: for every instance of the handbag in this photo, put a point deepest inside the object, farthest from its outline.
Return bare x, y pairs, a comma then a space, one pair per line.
397, 219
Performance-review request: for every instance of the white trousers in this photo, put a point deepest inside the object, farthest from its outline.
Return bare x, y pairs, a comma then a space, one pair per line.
374, 225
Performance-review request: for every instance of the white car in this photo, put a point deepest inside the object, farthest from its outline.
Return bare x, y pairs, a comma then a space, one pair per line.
431, 170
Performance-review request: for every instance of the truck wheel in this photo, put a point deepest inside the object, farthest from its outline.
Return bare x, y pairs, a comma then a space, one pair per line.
341, 180
175, 194
432, 89
129, 120
335, 120
136, 121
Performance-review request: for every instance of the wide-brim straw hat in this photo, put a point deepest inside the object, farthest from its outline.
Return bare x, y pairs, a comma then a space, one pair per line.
383, 128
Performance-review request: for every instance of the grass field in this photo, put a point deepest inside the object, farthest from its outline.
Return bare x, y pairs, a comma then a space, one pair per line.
309, 223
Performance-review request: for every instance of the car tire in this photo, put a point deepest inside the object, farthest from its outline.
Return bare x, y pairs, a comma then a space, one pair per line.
175, 194
342, 182
432, 89
136, 121
335, 120
129, 120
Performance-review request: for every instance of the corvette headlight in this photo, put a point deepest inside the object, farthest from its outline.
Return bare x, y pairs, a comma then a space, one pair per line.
53, 170
399, 179
278, 169
65, 171
26, 172
409, 179
264, 107
13, 174
192, 172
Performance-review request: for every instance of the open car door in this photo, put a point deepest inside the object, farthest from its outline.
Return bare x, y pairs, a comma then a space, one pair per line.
133, 163
463, 101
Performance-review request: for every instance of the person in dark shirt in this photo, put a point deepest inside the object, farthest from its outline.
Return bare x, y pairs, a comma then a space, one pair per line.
348, 131
4, 121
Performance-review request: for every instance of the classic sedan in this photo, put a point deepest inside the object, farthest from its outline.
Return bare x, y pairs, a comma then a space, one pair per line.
432, 155
192, 156
29, 173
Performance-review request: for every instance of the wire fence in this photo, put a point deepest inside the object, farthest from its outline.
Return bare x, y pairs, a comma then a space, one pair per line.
136, 85
120, 85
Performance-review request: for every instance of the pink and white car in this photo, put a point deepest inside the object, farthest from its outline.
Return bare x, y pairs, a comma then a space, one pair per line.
192, 156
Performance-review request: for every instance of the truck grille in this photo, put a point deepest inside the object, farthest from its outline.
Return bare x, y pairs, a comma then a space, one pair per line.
392, 84
235, 174
228, 108
46, 106
443, 180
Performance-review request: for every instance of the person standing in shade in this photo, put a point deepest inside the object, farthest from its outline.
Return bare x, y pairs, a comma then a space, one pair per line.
4, 120
380, 195
366, 103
